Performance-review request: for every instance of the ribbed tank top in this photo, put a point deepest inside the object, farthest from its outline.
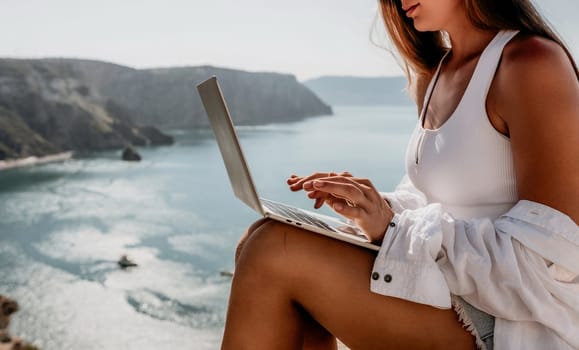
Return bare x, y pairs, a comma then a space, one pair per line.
465, 164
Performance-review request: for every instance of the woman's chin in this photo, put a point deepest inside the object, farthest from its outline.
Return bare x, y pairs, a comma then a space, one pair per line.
424, 27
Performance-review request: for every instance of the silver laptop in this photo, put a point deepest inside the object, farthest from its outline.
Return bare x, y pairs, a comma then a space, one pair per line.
243, 185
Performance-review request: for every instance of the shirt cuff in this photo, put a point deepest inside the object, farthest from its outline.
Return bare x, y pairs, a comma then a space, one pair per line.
392, 201
410, 282
417, 280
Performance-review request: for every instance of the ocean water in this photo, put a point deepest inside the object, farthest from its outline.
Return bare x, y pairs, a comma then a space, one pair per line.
63, 226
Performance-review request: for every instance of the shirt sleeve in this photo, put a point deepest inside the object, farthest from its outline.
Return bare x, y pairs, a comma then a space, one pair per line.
427, 254
405, 196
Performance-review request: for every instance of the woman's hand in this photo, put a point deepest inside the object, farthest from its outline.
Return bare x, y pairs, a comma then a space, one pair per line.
354, 198
296, 183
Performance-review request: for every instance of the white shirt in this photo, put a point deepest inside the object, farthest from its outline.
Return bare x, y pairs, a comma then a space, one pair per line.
522, 268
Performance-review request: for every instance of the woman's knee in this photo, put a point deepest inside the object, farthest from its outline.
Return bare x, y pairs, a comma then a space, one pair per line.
245, 237
261, 238
265, 252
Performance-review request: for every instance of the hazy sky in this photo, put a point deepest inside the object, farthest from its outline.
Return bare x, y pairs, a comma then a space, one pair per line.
307, 38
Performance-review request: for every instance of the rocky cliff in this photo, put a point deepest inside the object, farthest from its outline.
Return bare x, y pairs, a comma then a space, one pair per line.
168, 97
53, 105
46, 107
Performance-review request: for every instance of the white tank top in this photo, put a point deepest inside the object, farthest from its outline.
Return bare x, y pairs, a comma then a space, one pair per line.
465, 164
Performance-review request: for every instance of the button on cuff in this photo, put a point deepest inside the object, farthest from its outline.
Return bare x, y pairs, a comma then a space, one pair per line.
392, 225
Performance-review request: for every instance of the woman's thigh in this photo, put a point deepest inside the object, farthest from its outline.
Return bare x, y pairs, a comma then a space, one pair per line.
331, 281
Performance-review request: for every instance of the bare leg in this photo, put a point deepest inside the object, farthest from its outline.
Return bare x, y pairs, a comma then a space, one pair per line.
282, 270
315, 337
246, 235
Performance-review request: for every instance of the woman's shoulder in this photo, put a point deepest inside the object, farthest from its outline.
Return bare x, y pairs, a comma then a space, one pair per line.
532, 57
531, 68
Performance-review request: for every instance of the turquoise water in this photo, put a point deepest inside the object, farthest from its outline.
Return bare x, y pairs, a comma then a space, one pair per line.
63, 226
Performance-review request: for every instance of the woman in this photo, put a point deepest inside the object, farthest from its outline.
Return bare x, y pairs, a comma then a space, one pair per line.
479, 243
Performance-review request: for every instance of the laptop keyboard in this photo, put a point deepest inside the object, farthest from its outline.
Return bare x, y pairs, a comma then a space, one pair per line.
296, 214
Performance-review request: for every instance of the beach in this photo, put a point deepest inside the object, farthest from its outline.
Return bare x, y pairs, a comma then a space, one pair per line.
30, 161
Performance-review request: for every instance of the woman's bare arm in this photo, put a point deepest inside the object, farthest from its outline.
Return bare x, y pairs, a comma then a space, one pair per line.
536, 92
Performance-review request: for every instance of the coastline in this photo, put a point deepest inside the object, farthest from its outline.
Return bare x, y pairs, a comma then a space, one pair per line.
30, 161
143, 206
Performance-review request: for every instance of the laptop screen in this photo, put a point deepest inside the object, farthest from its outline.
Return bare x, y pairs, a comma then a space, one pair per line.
229, 146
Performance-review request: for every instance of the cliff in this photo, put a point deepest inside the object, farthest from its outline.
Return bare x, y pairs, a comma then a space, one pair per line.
337, 90
50, 106
46, 108
168, 97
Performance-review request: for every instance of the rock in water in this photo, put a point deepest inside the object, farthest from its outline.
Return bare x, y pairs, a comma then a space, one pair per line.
7, 308
124, 262
226, 273
131, 155
8, 342
155, 136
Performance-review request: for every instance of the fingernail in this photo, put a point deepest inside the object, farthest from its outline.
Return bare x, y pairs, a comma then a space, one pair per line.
307, 184
338, 206
318, 184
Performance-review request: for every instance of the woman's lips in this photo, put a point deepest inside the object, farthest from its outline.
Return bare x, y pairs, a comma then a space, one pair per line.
410, 10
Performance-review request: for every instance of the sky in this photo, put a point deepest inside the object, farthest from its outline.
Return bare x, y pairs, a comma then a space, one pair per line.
307, 38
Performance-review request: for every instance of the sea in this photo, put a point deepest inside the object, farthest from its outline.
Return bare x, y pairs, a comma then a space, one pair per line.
63, 227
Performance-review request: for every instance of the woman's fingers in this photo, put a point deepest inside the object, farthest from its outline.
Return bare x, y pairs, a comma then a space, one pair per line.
344, 188
348, 188
319, 203
354, 198
320, 197
296, 182
293, 179
341, 207
345, 174
351, 190
369, 190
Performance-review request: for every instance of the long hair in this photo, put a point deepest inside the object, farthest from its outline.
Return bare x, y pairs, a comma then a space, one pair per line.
422, 51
